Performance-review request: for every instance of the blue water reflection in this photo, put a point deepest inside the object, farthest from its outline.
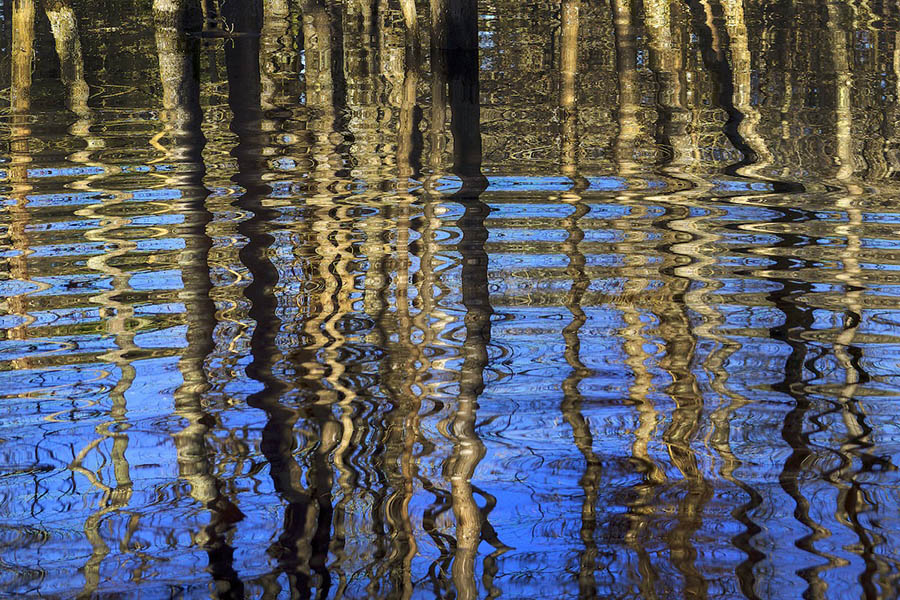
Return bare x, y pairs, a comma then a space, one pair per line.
461, 300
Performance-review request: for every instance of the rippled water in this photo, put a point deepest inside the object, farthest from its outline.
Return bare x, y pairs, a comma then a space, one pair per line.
531, 300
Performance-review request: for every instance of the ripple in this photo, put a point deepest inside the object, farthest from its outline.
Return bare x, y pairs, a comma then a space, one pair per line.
267, 331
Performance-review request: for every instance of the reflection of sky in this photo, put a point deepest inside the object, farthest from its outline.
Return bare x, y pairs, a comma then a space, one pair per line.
61, 394
721, 372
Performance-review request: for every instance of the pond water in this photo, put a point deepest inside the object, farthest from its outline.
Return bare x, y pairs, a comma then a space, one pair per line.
515, 299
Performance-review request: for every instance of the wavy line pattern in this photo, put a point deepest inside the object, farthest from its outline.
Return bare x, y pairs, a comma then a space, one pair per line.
305, 298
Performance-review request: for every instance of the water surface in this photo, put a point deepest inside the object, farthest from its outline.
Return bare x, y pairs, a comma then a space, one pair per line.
544, 299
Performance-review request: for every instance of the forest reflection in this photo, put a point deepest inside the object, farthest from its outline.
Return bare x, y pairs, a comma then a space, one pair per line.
376, 298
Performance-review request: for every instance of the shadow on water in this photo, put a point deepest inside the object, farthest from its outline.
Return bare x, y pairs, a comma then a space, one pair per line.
183, 117
302, 545
306, 298
461, 64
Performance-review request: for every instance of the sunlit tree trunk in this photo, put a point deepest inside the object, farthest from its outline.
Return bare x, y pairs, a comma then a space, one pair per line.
390, 64
843, 77
409, 142
68, 48
742, 69
438, 116
275, 43
568, 67
22, 57
787, 110
321, 56
20, 158
409, 16
210, 13
64, 26
629, 91
868, 20
361, 67
364, 86
894, 153
667, 62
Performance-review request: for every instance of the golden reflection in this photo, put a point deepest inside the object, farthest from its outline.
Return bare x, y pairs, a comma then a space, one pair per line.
842, 78
22, 58
405, 360
571, 404
568, 70
852, 501
663, 23
409, 15
119, 319
680, 345
64, 25
118, 315
348, 409
629, 90
182, 118
742, 69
